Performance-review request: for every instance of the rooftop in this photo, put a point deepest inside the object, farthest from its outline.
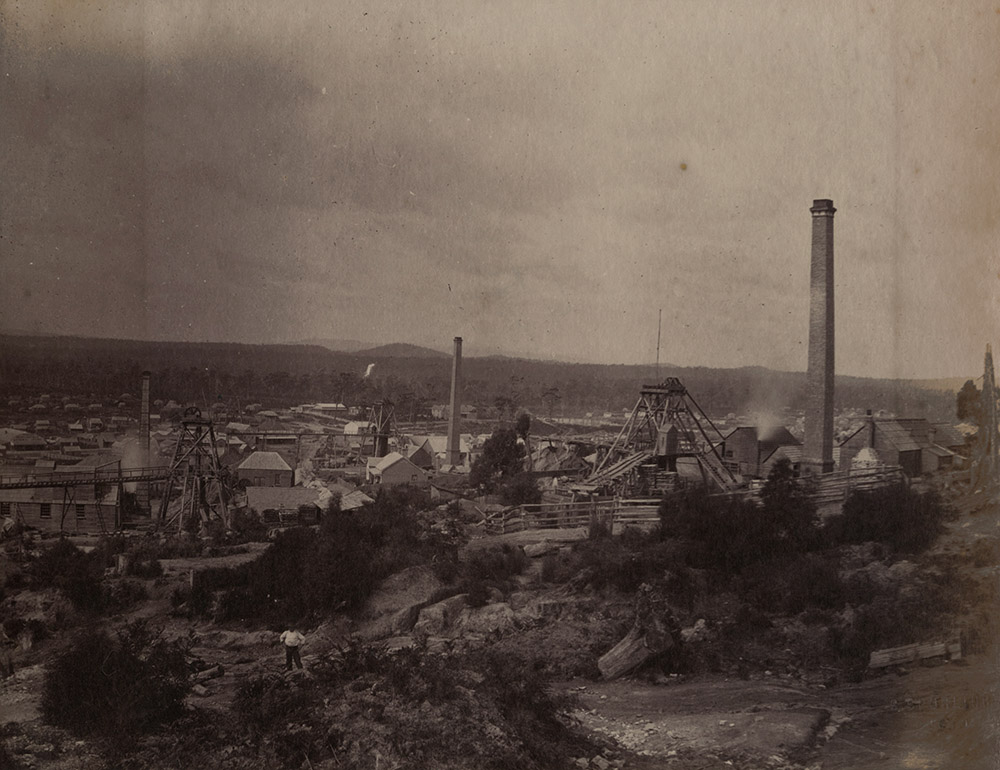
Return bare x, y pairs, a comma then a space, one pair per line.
264, 461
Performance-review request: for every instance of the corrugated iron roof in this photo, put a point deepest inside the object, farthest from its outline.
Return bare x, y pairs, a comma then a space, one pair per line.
947, 435
280, 498
264, 461
897, 435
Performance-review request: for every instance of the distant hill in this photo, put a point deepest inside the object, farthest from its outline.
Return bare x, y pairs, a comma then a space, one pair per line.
336, 345
416, 377
401, 350
950, 384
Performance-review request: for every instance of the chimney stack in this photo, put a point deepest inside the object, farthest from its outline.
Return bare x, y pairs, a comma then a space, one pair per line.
142, 489
455, 411
818, 453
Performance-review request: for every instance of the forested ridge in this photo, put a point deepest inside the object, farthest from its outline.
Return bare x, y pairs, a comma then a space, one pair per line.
287, 374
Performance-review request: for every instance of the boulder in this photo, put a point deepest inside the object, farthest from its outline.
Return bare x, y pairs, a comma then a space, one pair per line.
490, 619
403, 590
396, 624
437, 619
437, 645
696, 633
534, 550
399, 643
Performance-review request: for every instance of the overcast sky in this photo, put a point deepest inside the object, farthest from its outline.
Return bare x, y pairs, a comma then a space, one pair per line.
538, 178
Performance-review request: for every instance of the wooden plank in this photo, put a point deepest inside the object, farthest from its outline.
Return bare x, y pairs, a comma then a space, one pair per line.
909, 653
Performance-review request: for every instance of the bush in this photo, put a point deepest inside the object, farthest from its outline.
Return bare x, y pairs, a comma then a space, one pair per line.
985, 552
248, 527
14, 626
550, 566
907, 520
334, 569
116, 688
122, 594
495, 565
731, 534
147, 568
76, 574
268, 700
520, 490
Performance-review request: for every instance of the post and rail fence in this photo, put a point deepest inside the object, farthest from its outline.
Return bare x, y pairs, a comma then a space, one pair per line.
613, 512
618, 513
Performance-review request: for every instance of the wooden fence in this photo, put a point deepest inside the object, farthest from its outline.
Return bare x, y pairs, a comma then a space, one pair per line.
617, 513
572, 514
833, 488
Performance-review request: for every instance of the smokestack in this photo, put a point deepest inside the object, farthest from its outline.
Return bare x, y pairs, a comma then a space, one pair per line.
818, 454
142, 488
455, 412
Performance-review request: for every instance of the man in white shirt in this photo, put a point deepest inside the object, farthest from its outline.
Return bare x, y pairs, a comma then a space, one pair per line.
292, 640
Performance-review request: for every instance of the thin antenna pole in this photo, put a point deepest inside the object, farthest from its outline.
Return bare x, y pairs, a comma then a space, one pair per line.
659, 320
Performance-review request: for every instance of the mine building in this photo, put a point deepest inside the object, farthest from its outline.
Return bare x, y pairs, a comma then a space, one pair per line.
394, 470
746, 450
909, 443
265, 469
282, 504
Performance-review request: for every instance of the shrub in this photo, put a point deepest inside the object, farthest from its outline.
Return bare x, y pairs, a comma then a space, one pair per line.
76, 574
520, 490
146, 568
477, 593
550, 565
14, 626
248, 527
730, 534
608, 562
813, 582
598, 529
116, 688
336, 568
985, 552
268, 700
122, 594
907, 520
179, 596
495, 565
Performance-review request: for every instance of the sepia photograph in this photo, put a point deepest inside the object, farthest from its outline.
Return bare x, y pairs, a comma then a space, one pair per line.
499, 385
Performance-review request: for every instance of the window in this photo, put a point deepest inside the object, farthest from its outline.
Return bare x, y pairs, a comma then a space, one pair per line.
81, 511
4, 509
258, 481
45, 510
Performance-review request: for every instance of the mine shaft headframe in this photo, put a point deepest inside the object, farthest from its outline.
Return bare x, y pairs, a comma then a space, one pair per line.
671, 386
382, 420
669, 406
195, 466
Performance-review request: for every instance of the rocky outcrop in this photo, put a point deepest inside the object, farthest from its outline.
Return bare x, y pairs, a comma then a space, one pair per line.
488, 620
402, 591
436, 620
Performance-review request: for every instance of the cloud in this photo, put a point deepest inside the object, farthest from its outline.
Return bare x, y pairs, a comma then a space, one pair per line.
535, 177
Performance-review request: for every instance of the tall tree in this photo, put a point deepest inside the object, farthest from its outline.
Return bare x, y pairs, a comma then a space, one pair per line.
502, 458
967, 403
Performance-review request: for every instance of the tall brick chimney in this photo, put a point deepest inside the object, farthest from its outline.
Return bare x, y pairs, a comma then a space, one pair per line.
142, 488
455, 411
818, 452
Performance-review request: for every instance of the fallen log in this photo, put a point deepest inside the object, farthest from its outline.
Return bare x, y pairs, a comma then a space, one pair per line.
209, 673
908, 653
639, 645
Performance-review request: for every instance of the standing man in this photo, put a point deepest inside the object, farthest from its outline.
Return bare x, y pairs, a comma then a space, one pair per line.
292, 640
